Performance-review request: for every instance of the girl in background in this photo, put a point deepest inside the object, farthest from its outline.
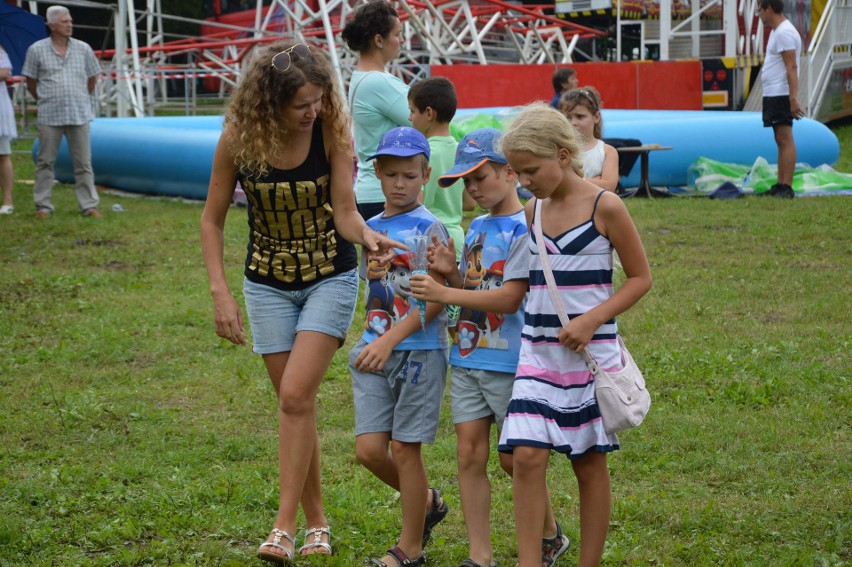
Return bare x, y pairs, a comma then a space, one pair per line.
553, 406
600, 161
8, 132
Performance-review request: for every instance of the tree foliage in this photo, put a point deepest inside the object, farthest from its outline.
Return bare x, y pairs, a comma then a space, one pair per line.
96, 26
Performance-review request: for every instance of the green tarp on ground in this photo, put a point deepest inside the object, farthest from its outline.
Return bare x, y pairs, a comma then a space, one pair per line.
706, 175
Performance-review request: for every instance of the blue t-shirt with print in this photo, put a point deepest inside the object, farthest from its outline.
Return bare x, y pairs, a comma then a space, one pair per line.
496, 250
388, 299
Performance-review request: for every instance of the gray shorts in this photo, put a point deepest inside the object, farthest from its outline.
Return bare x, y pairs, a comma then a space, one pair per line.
475, 394
5, 146
404, 399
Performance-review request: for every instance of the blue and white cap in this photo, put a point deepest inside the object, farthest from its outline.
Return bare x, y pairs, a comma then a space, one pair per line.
474, 150
403, 141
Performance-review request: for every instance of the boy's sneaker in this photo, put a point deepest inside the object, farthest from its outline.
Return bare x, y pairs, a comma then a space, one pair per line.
552, 548
781, 190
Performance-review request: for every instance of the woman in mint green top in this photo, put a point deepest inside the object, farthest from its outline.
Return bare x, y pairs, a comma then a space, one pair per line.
378, 100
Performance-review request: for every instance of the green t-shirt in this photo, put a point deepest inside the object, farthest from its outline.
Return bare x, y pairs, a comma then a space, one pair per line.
379, 102
445, 203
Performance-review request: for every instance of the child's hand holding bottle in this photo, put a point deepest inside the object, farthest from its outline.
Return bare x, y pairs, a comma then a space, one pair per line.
442, 258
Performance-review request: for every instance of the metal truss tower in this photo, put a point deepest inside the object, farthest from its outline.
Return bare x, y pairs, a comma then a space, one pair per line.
486, 32
440, 32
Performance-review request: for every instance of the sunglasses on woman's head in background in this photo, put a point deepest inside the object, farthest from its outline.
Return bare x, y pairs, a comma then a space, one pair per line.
282, 60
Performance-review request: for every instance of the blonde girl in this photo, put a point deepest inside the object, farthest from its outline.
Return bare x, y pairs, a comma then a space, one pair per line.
286, 140
553, 404
600, 161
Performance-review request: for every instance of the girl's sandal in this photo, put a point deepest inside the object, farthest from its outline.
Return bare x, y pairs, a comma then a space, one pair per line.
265, 550
401, 558
552, 548
317, 542
471, 563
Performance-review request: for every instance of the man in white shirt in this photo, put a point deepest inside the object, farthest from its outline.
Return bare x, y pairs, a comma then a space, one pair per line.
780, 89
61, 74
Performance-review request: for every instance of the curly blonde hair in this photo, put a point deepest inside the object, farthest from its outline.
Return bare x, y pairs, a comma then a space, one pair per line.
542, 131
257, 106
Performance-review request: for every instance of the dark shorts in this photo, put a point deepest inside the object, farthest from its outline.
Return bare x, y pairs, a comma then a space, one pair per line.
369, 210
776, 110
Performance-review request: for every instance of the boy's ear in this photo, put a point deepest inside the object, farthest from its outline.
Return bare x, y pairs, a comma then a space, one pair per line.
431, 113
376, 167
427, 174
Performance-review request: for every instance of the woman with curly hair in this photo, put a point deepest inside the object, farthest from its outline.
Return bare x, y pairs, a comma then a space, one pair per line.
377, 99
286, 140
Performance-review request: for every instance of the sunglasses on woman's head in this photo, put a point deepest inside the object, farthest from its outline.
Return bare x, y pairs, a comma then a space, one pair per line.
282, 60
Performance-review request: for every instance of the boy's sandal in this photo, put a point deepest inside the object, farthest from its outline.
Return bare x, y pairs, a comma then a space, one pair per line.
317, 542
471, 563
435, 514
400, 557
265, 550
552, 548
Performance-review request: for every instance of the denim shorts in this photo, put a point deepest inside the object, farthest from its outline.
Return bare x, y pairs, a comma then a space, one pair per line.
275, 315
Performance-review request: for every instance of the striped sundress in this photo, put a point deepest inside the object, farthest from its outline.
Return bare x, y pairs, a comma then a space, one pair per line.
553, 400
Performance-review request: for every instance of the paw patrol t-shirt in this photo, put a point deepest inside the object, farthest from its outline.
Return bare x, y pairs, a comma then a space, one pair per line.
496, 250
388, 295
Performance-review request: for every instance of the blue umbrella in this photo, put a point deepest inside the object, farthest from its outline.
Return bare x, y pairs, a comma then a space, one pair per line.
18, 30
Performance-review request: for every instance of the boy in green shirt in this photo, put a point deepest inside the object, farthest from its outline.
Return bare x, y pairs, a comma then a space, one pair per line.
432, 102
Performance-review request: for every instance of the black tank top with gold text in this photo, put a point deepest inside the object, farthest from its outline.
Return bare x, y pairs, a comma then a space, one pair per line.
292, 238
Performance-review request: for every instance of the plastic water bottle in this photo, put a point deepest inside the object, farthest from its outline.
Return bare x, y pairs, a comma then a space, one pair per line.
117, 208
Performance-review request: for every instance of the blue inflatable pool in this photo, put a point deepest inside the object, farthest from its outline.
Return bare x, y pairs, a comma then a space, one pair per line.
173, 155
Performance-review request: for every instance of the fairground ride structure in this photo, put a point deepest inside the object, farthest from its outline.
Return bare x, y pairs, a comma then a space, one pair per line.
137, 72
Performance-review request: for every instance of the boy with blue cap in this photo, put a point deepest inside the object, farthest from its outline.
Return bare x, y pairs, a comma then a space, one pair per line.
399, 367
492, 275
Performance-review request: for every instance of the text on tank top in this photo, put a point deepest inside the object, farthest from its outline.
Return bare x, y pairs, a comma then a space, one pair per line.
292, 238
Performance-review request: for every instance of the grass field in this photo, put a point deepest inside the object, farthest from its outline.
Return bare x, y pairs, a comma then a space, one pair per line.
132, 435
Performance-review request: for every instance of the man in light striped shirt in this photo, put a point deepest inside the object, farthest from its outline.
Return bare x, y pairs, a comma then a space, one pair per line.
61, 74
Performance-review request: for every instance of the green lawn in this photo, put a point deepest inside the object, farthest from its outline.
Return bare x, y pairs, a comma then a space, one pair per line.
843, 130
132, 435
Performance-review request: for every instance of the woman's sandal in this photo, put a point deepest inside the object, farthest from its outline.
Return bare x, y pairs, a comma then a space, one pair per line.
435, 514
265, 550
552, 548
317, 542
401, 559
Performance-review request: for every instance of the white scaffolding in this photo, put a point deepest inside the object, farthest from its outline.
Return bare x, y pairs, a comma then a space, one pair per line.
136, 72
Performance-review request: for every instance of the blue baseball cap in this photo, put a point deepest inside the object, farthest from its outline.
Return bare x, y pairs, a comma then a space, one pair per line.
403, 141
474, 150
